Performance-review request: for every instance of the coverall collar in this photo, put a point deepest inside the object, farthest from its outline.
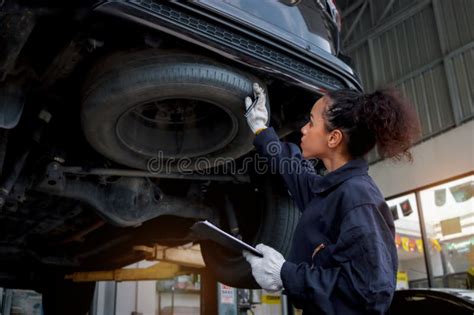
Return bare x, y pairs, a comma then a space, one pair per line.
352, 168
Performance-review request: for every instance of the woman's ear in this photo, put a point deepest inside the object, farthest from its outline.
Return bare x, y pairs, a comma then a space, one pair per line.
335, 138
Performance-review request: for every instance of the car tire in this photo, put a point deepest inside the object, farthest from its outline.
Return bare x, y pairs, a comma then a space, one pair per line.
277, 222
147, 109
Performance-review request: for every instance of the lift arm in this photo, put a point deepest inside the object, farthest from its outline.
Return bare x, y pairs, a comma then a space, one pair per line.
174, 261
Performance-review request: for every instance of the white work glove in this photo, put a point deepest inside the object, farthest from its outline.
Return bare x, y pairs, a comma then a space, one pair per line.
266, 269
257, 118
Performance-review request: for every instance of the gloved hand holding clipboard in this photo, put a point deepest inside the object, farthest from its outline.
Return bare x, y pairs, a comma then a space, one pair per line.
207, 230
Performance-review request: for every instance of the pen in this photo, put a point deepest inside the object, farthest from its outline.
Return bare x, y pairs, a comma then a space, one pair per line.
251, 107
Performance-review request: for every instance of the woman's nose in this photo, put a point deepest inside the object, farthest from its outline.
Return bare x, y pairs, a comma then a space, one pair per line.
303, 129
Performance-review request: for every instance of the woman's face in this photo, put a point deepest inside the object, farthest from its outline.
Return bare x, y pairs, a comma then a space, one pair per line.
314, 142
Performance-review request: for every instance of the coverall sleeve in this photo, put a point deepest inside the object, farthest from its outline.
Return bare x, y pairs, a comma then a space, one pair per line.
360, 268
286, 159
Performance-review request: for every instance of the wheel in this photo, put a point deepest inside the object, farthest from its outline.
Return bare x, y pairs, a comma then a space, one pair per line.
62, 296
148, 109
275, 225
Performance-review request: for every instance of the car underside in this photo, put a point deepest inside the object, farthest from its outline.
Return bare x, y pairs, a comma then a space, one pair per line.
123, 123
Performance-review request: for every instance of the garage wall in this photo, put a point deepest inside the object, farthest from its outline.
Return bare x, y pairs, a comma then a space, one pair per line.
425, 48
445, 156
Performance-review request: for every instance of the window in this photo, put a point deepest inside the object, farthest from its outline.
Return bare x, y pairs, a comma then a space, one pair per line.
411, 262
448, 212
449, 219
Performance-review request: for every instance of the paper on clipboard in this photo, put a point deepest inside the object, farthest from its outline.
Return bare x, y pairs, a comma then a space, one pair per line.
208, 230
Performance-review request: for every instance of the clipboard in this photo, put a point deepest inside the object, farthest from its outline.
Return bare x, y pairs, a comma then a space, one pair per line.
209, 231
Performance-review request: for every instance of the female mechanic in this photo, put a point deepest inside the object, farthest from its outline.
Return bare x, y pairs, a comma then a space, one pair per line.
343, 258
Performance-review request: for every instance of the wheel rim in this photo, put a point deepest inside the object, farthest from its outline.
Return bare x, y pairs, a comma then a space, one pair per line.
176, 128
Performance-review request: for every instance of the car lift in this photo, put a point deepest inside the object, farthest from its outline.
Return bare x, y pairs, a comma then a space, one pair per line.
173, 261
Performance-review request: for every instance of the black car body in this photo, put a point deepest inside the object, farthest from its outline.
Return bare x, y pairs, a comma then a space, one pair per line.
433, 301
122, 124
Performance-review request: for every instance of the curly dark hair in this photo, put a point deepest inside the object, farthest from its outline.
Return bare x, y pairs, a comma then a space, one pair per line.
383, 118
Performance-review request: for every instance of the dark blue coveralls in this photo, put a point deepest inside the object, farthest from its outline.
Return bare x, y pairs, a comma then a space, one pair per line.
343, 258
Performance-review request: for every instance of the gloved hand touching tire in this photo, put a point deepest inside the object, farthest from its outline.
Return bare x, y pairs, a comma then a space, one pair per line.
257, 117
266, 270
